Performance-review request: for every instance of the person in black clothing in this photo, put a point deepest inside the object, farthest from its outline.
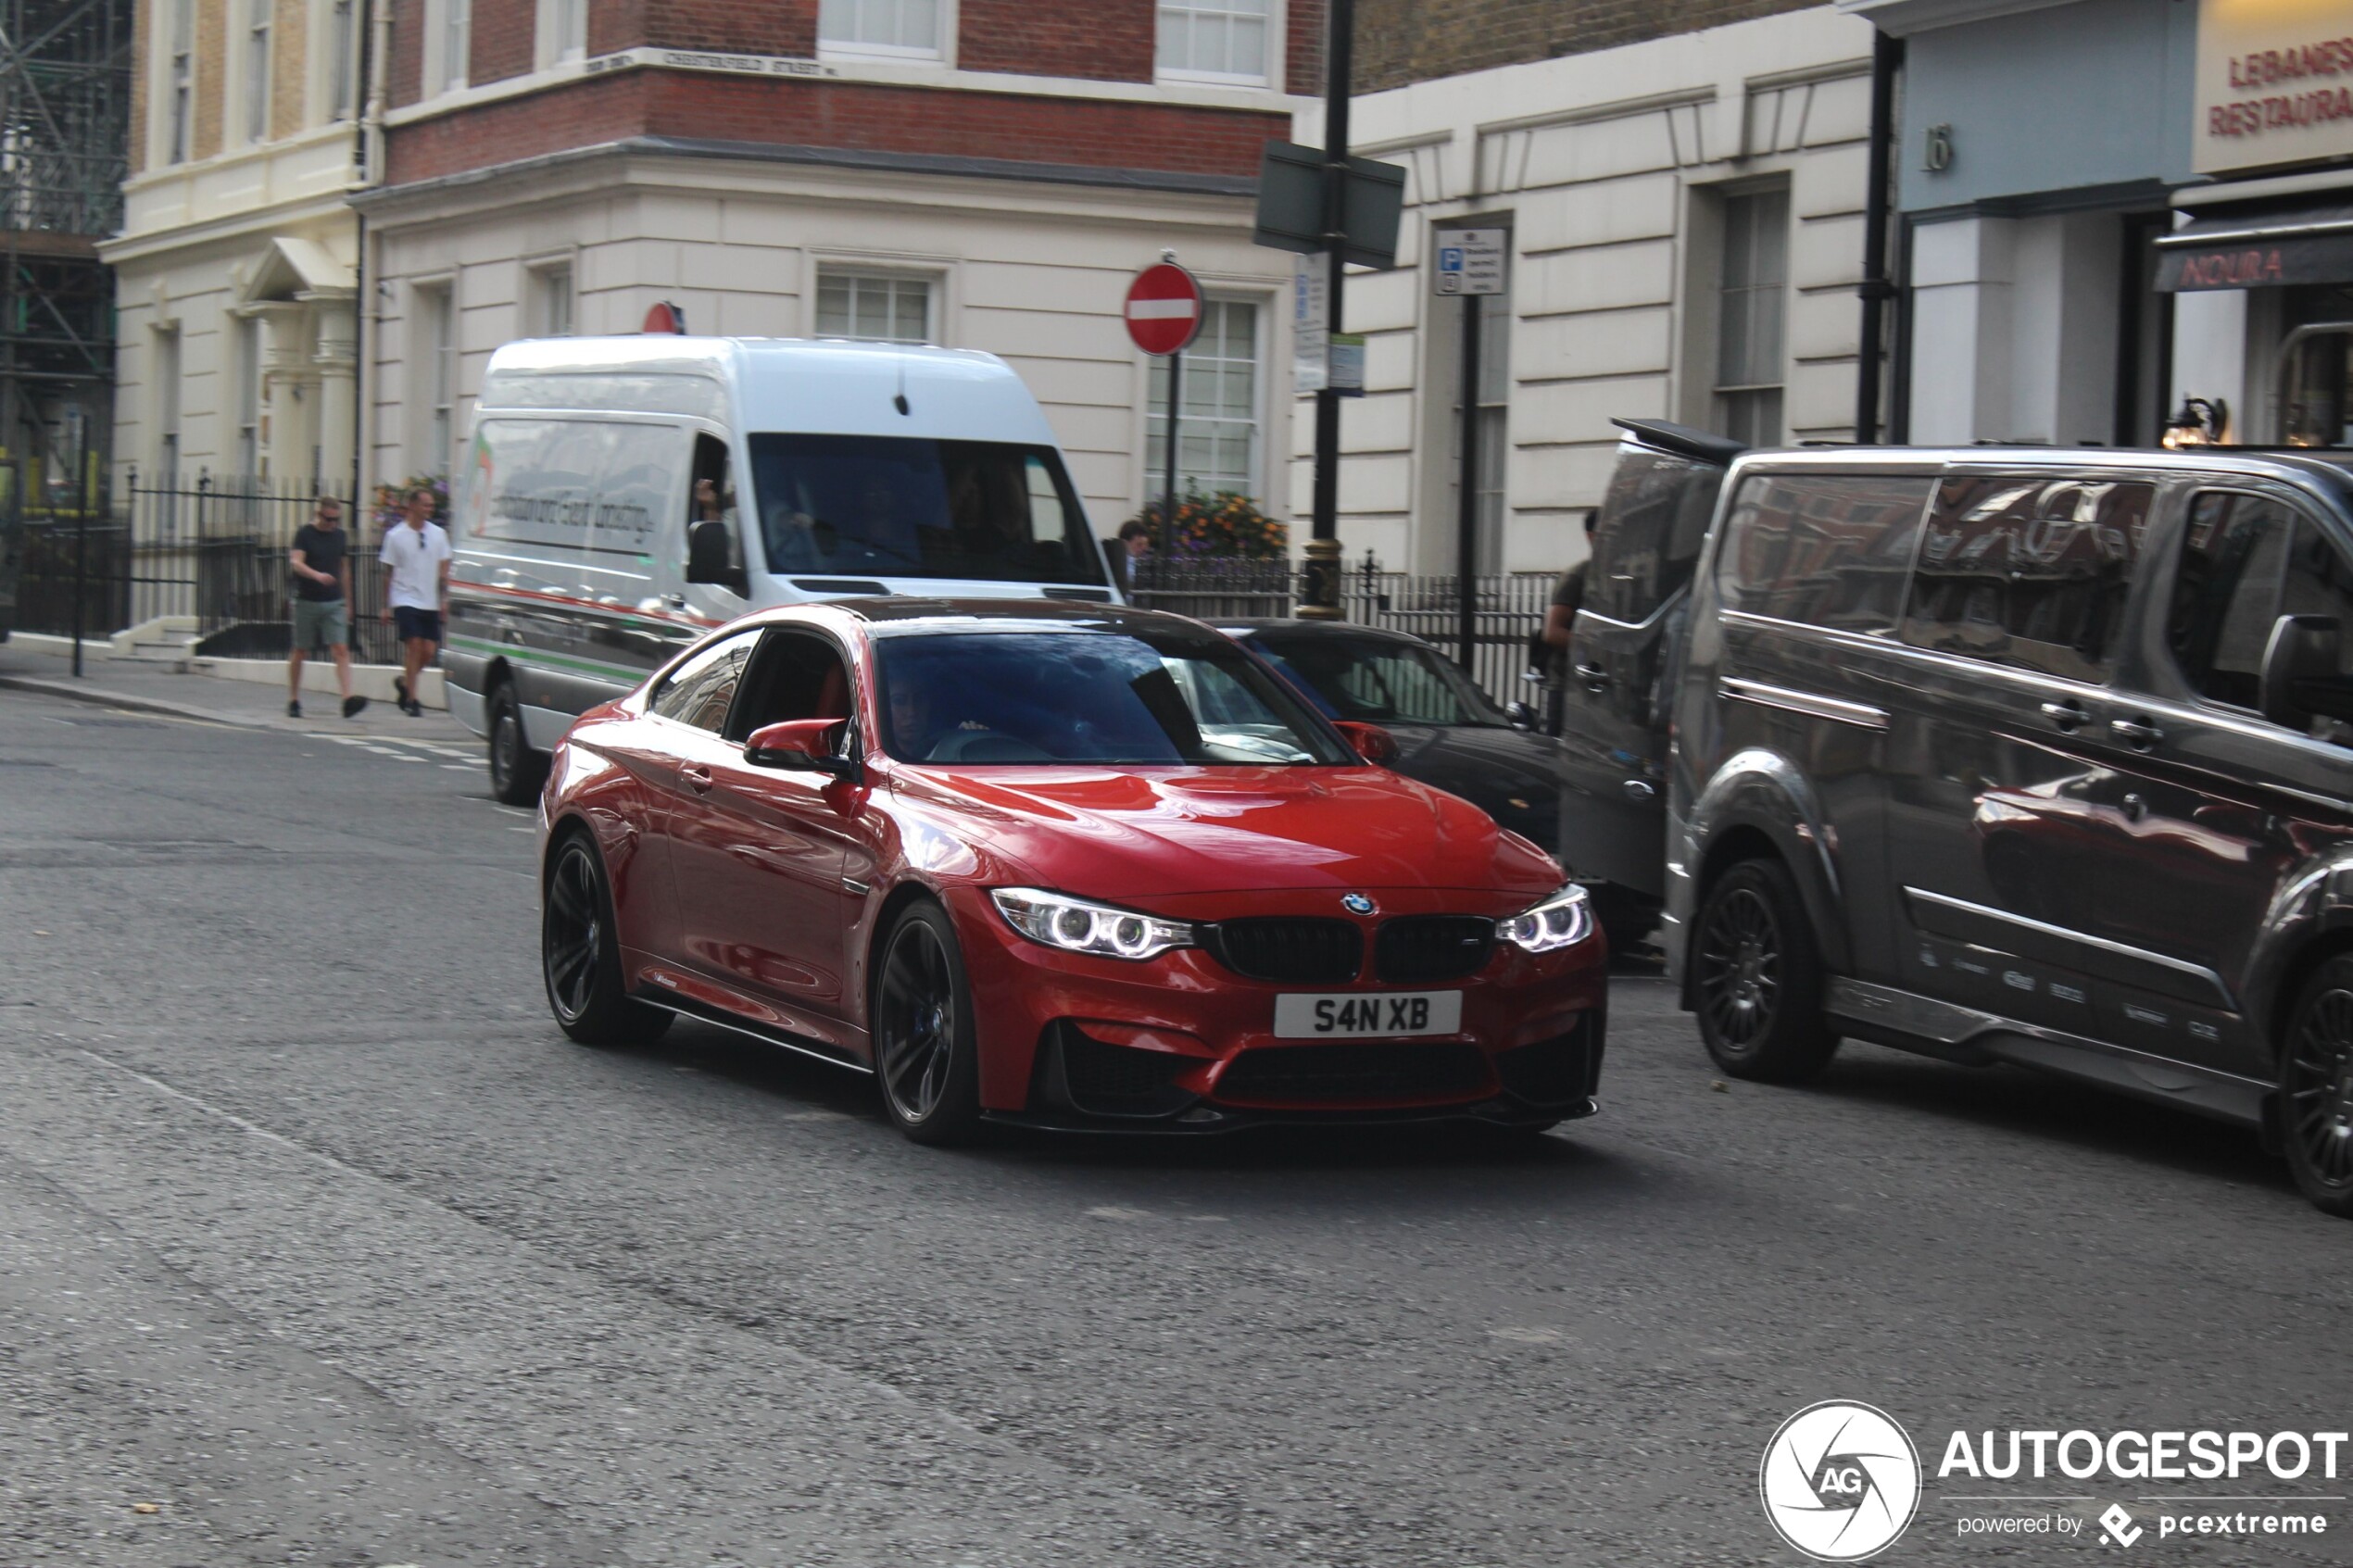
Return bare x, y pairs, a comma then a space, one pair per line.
322, 561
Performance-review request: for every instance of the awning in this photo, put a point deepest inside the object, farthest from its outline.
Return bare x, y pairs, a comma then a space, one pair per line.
2255, 250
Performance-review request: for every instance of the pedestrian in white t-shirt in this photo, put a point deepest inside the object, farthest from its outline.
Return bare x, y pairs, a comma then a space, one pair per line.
417, 551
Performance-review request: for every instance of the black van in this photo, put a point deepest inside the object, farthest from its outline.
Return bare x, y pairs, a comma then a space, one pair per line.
2026, 755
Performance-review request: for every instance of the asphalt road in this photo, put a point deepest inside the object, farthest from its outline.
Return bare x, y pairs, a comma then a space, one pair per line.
317, 1236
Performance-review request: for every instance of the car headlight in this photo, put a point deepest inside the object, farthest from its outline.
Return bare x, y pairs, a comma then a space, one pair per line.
1077, 925
1562, 921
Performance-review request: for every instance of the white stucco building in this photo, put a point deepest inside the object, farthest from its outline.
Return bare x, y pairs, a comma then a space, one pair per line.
1686, 220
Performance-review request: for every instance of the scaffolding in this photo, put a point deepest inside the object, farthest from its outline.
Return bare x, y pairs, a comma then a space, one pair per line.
65, 116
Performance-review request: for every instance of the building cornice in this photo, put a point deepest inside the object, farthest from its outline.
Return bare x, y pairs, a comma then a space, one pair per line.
388, 199
260, 221
1901, 19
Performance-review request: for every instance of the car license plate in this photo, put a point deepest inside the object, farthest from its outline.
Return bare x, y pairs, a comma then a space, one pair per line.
1353, 1015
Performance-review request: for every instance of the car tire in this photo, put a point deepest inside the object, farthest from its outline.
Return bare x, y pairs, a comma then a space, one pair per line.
1757, 977
516, 771
2315, 1104
580, 953
927, 1049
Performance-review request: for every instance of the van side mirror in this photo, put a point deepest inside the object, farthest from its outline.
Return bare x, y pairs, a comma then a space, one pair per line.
2300, 678
806, 746
1371, 742
711, 557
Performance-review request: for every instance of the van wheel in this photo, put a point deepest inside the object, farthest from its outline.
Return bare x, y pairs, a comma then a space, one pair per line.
1756, 975
2316, 1089
516, 771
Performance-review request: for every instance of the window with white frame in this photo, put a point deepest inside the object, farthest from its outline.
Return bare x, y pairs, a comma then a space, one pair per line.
551, 300
183, 77
457, 34
873, 306
572, 29
341, 57
435, 383
257, 69
905, 28
1217, 439
1220, 40
246, 346
1752, 308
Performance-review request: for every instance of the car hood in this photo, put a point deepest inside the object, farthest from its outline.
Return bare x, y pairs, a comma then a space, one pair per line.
1487, 766
1164, 832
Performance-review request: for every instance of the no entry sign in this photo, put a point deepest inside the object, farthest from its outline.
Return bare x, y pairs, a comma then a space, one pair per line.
1164, 309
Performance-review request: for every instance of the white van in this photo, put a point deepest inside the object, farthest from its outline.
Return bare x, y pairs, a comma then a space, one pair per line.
623, 496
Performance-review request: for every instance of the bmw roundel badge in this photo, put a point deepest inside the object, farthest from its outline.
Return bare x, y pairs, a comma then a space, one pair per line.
1357, 904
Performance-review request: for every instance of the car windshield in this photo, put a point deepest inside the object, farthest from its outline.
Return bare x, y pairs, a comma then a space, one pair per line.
874, 506
1127, 697
1377, 681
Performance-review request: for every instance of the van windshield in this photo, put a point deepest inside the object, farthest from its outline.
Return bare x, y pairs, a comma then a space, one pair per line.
888, 505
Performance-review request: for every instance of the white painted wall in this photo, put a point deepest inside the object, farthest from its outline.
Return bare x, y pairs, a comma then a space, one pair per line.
1599, 162
2014, 324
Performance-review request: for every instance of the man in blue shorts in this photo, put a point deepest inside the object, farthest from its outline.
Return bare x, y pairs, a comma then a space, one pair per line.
418, 552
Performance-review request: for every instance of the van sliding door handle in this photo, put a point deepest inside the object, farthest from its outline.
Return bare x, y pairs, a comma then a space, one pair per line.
1594, 675
2068, 715
2139, 732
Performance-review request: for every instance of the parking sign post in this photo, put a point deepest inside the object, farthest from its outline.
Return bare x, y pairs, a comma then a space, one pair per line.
1470, 266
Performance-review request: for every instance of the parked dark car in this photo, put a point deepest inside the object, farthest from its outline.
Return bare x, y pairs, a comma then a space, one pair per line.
1448, 731
2042, 757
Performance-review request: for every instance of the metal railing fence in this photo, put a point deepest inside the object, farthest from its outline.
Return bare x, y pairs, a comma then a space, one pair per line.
1508, 606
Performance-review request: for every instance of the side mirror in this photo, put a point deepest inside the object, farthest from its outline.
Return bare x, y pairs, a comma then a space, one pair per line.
807, 745
2300, 676
711, 556
1521, 716
1373, 743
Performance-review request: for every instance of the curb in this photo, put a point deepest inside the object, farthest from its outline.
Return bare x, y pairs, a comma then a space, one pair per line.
103, 697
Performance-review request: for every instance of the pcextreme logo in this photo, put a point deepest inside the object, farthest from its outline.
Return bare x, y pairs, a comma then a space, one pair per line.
1840, 1481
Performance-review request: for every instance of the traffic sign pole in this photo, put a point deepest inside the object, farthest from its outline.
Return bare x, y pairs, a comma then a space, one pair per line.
1470, 266
1320, 597
1168, 495
1164, 310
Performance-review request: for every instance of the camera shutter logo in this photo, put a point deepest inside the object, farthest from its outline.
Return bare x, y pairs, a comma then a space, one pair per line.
1840, 1481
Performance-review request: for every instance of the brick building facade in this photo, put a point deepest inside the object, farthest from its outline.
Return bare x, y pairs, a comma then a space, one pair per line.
977, 173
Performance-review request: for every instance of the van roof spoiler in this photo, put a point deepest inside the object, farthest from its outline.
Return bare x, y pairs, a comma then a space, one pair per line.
1682, 440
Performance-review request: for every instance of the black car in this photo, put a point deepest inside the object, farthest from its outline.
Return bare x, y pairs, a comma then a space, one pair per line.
1449, 734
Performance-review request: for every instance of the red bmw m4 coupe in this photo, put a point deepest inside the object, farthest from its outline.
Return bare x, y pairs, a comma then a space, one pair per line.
1071, 866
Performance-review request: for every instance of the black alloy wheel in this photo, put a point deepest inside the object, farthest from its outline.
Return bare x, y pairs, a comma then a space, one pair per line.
580, 954
926, 1054
1757, 977
2315, 1106
516, 771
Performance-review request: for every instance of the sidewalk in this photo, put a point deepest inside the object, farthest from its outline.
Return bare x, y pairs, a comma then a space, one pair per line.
152, 688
